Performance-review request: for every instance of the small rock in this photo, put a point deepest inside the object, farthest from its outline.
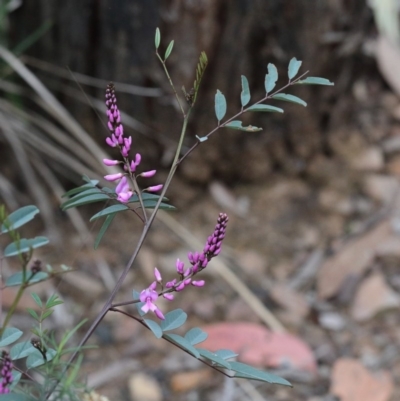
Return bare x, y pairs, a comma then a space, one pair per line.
373, 296
143, 387
393, 166
352, 382
186, 381
332, 321
370, 159
335, 201
381, 187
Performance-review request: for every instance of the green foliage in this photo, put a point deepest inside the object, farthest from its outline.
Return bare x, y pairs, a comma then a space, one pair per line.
157, 38
24, 245
220, 106
245, 95
293, 69
236, 124
315, 81
18, 279
19, 218
289, 98
9, 336
169, 50
265, 108
271, 78
91, 193
173, 320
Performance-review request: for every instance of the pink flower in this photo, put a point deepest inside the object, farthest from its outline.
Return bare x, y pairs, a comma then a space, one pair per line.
148, 296
148, 174
154, 188
123, 190
113, 177
157, 275
109, 162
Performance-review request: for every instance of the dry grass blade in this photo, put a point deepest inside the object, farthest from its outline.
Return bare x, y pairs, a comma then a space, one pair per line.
53, 106
29, 175
90, 81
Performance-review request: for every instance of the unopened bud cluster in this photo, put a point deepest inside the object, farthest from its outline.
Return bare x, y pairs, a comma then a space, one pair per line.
198, 262
117, 139
5, 373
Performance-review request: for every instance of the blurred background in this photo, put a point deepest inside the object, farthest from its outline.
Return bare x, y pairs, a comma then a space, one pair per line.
309, 279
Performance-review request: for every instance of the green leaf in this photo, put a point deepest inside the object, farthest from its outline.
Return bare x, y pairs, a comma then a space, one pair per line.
22, 350
17, 278
19, 218
35, 359
67, 336
248, 372
85, 200
53, 301
289, 98
173, 320
154, 327
220, 105
150, 204
16, 378
47, 313
157, 38
226, 353
109, 210
37, 299
271, 78
33, 313
293, 69
169, 50
265, 107
196, 335
103, 229
214, 358
80, 195
245, 95
10, 335
24, 245
15, 397
183, 343
315, 81
236, 124
82, 188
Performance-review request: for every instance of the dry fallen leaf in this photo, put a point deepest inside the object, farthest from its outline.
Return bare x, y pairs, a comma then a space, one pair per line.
353, 259
258, 346
373, 296
352, 382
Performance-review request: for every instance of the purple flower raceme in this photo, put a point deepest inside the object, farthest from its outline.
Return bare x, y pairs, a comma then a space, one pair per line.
5, 373
198, 262
118, 140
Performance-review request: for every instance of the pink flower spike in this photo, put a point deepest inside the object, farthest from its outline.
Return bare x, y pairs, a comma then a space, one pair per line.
198, 283
109, 162
148, 174
157, 275
168, 296
113, 177
154, 188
